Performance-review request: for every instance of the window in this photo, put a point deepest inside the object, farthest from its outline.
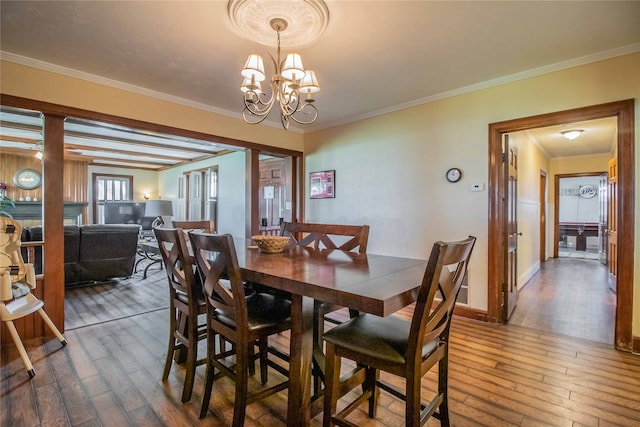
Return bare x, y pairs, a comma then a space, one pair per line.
213, 183
110, 188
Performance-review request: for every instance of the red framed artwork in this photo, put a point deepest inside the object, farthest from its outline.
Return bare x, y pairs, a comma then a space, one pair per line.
322, 185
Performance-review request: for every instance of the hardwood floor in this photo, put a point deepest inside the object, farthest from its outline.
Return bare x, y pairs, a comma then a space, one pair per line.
500, 375
88, 305
569, 296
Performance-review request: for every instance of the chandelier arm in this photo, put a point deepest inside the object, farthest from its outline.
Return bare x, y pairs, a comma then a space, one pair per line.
285, 121
252, 118
291, 103
255, 103
312, 110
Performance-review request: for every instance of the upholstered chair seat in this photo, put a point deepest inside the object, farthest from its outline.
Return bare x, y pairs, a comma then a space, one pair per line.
264, 311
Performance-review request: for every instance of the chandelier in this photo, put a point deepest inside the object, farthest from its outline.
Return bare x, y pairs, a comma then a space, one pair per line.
291, 86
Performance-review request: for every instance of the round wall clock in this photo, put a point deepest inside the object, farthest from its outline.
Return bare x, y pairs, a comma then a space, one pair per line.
454, 175
27, 179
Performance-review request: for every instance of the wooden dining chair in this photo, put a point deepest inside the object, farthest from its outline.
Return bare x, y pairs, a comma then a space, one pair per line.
406, 349
186, 303
241, 319
325, 236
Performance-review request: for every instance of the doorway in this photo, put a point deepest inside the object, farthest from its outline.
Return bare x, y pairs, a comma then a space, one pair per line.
623, 111
568, 294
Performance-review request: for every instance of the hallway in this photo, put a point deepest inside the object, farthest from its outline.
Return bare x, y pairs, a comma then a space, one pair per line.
569, 296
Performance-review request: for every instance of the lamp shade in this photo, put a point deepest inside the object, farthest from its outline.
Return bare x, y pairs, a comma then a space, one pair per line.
293, 67
254, 67
310, 82
156, 208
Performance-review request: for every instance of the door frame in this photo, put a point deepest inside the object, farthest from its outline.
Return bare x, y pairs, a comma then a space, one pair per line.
624, 113
542, 198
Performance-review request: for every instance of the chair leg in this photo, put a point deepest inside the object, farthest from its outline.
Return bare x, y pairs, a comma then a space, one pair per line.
53, 328
413, 408
443, 386
371, 379
181, 326
332, 384
242, 379
21, 350
252, 361
318, 331
209, 374
192, 360
264, 354
171, 348
317, 377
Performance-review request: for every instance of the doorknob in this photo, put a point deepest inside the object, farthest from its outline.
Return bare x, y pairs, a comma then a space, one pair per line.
519, 234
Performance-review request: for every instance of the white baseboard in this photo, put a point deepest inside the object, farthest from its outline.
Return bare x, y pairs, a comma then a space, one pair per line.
525, 276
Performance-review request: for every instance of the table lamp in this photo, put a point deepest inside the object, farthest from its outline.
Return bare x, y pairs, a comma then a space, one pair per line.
162, 210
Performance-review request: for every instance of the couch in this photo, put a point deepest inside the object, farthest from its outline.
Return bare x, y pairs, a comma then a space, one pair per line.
92, 252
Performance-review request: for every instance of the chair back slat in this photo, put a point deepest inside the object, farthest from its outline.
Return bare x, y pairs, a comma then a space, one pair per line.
327, 236
218, 266
179, 264
446, 271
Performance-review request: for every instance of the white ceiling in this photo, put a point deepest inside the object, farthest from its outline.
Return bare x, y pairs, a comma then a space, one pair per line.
374, 56
598, 136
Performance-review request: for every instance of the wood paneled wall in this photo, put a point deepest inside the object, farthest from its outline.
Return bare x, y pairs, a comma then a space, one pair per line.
76, 182
75, 185
12, 163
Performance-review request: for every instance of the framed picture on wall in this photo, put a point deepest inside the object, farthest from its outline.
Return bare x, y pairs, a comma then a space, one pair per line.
322, 185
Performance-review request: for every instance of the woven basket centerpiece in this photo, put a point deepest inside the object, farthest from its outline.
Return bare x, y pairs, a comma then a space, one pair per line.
270, 244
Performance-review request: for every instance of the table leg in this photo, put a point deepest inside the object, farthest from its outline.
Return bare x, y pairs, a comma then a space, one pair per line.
146, 269
301, 355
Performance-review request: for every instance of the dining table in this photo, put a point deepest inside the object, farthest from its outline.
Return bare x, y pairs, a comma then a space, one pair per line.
370, 283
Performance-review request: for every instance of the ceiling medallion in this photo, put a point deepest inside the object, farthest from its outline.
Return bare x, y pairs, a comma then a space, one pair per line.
306, 20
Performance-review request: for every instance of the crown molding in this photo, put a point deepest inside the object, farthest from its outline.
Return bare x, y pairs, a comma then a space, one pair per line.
34, 63
571, 63
93, 78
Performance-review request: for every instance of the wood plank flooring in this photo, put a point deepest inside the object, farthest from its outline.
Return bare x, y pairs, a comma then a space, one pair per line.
569, 296
500, 375
119, 298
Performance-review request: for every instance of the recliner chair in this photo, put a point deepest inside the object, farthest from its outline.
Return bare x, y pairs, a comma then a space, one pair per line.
17, 279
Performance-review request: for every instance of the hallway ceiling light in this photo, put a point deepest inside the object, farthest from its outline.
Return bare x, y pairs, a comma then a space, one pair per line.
572, 134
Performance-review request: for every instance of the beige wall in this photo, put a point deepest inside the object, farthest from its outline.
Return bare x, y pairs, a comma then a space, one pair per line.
390, 169
577, 164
